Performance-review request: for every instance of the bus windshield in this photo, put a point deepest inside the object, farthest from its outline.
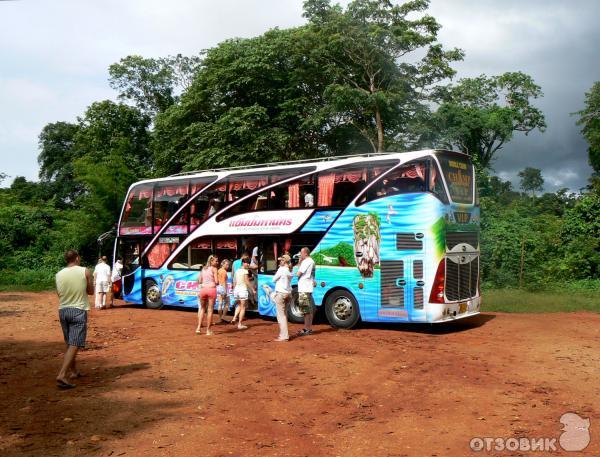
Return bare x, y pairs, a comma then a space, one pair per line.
458, 173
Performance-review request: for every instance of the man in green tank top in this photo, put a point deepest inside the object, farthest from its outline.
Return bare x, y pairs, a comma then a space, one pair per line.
73, 285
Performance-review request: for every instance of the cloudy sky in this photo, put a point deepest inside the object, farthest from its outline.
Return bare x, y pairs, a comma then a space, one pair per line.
54, 57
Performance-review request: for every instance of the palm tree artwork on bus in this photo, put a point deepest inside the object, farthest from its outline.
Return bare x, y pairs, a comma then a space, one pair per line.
367, 240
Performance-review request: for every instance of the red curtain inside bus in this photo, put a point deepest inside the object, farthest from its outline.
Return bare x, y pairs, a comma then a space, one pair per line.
327, 182
171, 191
294, 195
159, 253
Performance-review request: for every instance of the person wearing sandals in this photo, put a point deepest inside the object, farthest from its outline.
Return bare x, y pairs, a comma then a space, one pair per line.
207, 280
222, 295
241, 291
283, 294
73, 285
306, 285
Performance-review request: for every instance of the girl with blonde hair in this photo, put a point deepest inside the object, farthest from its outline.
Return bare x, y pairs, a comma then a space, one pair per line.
207, 279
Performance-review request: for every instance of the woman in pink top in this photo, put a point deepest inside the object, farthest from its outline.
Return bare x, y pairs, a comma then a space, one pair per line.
207, 279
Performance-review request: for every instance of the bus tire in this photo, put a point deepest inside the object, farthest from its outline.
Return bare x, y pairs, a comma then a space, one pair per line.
293, 312
152, 295
341, 309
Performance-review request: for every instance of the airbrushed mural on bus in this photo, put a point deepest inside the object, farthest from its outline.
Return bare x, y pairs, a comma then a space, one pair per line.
395, 237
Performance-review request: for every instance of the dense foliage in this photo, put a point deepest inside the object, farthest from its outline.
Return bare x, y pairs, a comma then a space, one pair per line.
367, 77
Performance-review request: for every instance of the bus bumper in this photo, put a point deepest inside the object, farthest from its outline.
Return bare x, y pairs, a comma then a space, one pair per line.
447, 312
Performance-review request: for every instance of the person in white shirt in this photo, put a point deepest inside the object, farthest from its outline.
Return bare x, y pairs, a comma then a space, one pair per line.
306, 283
102, 282
117, 271
283, 293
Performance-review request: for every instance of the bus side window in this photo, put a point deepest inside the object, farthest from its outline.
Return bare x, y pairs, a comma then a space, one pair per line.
435, 182
194, 256
339, 186
408, 178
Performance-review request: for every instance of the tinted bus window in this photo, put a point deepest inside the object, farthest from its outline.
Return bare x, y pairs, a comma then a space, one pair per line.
194, 256
168, 197
241, 185
162, 250
137, 214
298, 193
407, 178
458, 173
339, 186
436, 185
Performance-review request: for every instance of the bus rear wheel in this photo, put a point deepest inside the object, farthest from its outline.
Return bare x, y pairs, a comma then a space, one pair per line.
293, 311
341, 309
152, 295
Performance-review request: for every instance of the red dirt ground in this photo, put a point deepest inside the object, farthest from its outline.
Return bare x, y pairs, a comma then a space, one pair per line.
152, 387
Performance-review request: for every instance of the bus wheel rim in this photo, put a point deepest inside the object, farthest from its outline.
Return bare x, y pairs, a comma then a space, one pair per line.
295, 309
153, 294
342, 308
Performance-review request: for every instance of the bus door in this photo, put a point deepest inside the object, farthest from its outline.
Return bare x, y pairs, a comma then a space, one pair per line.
270, 250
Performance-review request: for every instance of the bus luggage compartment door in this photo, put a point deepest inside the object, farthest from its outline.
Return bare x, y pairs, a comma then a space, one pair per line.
402, 295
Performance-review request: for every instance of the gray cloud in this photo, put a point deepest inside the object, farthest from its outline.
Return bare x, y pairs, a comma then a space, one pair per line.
555, 43
55, 57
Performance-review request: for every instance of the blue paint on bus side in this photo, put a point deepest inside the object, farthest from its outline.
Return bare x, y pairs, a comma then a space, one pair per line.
320, 221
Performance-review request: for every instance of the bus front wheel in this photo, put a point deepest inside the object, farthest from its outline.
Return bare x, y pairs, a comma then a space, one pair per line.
152, 296
341, 309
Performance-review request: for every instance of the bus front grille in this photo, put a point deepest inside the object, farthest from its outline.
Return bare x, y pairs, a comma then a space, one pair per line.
462, 274
455, 238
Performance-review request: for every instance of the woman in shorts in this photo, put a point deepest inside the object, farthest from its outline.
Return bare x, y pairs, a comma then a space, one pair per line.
208, 293
222, 295
241, 290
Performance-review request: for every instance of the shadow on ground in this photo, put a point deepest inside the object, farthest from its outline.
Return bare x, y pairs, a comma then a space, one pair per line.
36, 418
457, 326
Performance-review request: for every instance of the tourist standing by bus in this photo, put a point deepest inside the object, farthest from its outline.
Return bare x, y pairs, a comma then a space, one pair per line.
207, 280
101, 282
241, 291
283, 293
222, 295
305, 290
73, 285
116, 279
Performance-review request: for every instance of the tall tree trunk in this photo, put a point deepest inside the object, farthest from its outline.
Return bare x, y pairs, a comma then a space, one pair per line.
379, 123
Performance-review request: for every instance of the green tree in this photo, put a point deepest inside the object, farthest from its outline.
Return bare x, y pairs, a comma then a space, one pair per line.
152, 84
113, 146
29, 192
253, 100
480, 115
115, 128
589, 118
581, 239
370, 53
531, 180
57, 153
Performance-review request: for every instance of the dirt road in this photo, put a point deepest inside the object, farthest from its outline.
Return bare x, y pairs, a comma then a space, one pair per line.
152, 387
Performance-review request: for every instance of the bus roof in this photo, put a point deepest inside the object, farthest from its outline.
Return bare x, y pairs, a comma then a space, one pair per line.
332, 161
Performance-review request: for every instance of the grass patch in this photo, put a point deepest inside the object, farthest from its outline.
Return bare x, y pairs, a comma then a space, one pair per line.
522, 301
27, 280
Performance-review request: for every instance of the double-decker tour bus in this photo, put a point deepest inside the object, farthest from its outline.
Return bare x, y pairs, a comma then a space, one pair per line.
395, 236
